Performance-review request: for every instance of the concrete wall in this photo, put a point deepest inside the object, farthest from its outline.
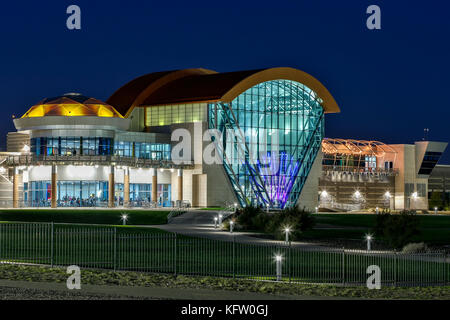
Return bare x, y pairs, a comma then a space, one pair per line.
309, 197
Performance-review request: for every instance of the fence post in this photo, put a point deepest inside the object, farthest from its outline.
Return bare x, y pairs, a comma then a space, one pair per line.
115, 249
395, 268
289, 260
343, 266
175, 255
234, 257
52, 244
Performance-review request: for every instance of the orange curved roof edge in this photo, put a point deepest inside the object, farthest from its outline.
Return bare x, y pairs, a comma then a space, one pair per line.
136, 91
329, 103
202, 85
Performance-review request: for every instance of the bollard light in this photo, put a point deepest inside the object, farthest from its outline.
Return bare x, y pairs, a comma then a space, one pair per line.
220, 219
267, 208
317, 209
286, 231
435, 210
278, 261
124, 219
377, 210
231, 226
369, 239
215, 222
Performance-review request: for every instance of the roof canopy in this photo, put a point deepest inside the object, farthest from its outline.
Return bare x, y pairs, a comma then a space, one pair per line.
202, 85
355, 147
72, 104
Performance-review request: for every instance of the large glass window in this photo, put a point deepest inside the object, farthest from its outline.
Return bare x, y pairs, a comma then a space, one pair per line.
50, 146
170, 114
280, 108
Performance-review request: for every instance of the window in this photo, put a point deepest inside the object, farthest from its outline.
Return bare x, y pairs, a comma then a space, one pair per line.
421, 189
409, 189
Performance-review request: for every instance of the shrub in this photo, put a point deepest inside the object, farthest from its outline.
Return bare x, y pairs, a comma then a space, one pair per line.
397, 229
415, 248
246, 217
298, 220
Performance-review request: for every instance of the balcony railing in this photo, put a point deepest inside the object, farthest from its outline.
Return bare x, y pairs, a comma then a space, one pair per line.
35, 160
360, 170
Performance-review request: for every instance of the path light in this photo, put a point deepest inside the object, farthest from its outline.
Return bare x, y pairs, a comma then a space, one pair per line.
124, 219
369, 239
435, 210
220, 219
317, 209
287, 230
267, 207
235, 206
377, 210
278, 261
231, 226
215, 222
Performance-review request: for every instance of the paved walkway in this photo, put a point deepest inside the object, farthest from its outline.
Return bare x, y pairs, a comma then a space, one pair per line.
200, 223
45, 290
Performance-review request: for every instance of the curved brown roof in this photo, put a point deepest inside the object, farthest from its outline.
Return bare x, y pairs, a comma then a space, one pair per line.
200, 85
129, 95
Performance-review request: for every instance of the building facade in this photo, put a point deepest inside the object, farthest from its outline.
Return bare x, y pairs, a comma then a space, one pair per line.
369, 174
76, 151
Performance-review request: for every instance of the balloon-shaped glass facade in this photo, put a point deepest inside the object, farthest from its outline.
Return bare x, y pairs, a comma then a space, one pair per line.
271, 134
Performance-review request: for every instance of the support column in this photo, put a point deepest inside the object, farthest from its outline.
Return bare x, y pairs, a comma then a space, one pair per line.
126, 187
111, 189
54, 184
180, 185
155, 185
16, 188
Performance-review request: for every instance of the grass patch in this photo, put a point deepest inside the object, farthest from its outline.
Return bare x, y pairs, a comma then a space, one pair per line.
433, 229
213, 209
99, 277
86, 216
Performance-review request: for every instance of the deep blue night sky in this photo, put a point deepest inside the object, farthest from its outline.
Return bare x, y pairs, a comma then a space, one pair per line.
390, 84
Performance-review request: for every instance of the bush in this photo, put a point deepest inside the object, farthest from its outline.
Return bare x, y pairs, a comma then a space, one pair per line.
246, 217
415, 248
297, 220
397, 229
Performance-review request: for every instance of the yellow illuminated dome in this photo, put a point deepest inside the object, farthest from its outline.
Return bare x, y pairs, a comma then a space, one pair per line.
72, 104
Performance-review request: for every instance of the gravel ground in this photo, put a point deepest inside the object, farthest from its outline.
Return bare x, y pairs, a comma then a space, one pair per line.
7, 293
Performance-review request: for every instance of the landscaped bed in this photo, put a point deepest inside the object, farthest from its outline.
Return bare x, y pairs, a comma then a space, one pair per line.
99, 277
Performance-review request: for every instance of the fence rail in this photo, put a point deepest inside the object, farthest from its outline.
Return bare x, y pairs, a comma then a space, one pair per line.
119, 249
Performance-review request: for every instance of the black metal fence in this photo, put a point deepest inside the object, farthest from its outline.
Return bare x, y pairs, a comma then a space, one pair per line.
119, 249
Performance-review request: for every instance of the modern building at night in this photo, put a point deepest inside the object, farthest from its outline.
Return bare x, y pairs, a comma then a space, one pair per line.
73, 150
369, 174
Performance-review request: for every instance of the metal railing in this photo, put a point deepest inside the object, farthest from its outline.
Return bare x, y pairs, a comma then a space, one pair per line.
35, 160
361, 170
120, 249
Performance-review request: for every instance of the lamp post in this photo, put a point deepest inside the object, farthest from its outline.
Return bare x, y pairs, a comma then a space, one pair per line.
369, 241
124, 219
286, 231
231, 226
215, 222
278, 261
